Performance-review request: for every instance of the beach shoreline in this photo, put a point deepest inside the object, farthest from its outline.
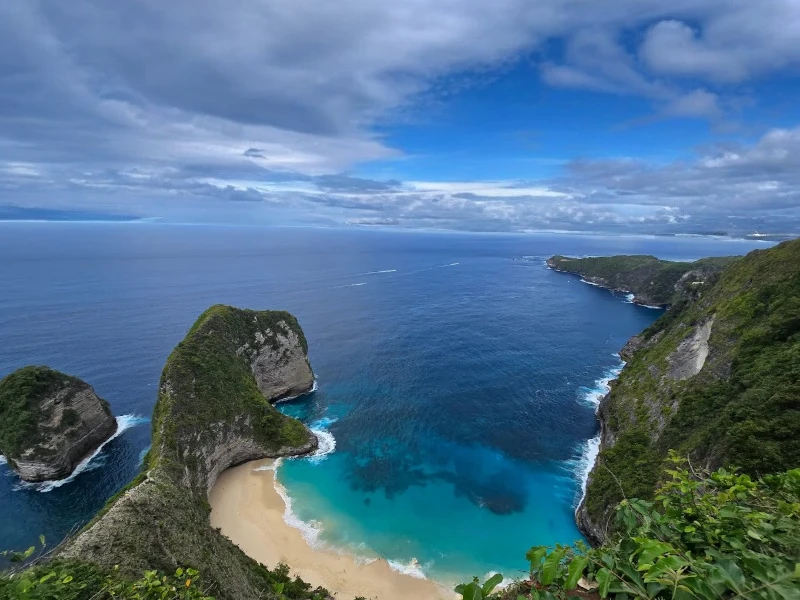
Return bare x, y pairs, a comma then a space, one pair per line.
248, 509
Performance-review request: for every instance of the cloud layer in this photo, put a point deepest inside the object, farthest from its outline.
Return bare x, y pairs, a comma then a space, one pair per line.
269, 102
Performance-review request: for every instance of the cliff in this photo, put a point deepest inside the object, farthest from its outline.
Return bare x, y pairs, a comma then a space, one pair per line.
50, 422
213, 411
653, 282
715, 378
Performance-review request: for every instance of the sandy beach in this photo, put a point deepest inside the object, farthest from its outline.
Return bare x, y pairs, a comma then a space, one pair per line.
247, 508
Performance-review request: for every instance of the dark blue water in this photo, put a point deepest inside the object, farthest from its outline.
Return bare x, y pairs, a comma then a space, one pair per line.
455, 371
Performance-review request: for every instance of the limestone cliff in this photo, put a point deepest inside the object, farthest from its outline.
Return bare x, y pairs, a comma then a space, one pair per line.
715, 379
50, 422
213, 411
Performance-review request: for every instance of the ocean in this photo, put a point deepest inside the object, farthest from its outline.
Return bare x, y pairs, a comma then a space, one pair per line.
457, 376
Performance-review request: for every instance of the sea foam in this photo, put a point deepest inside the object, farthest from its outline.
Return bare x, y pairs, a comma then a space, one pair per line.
313, 389
412, 568
2, 460
89, 463
310, 530
378, 272
583, 462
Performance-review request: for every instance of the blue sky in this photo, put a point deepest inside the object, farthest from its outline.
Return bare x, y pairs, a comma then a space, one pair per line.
514, 115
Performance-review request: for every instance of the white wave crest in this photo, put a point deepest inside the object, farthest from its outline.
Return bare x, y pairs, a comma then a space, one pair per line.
336, 287
124, 423
602, 386
313, 389
378, 272
412, 568
310, 530
327, 445
3, 460
629, 298
583, 464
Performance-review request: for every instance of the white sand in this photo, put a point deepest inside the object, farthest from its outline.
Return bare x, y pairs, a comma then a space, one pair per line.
247, 508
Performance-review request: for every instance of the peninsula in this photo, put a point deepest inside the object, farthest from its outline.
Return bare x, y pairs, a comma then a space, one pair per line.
213, 411
653, 282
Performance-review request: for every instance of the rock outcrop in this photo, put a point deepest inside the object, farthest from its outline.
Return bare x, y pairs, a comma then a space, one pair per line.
50, 422
213, 411
714, 379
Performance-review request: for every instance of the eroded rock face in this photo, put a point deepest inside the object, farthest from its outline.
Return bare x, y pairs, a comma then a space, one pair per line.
689, 357
52, 422
280, 366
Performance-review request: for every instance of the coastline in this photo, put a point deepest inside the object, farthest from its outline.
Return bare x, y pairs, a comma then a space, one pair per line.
587, 457
246, 505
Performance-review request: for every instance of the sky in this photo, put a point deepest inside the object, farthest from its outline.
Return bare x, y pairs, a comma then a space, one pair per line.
638, 116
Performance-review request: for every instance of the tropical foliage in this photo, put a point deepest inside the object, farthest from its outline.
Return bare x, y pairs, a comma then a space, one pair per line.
704, 537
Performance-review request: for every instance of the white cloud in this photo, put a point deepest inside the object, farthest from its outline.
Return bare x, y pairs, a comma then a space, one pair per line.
252, 99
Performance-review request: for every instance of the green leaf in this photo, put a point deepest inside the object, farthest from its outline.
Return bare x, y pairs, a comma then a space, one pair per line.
535, 556
491, 583
551, 564
575, 571
603, 578
47, 577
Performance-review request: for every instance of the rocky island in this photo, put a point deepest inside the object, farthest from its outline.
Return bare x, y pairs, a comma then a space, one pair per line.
653, 282
50, 422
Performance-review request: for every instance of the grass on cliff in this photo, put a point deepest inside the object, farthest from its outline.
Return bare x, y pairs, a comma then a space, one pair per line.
214, 381
743, 409
161, 520
20, 394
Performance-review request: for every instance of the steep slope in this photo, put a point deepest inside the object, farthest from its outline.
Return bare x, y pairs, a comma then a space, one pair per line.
652, 281
213, 411
716, 378
50, 422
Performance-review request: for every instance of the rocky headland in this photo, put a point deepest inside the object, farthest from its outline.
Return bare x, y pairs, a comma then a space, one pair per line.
714, 378
653, 282
50, 422
214, 411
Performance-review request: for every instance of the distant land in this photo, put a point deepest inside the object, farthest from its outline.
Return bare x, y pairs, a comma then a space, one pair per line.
22, 213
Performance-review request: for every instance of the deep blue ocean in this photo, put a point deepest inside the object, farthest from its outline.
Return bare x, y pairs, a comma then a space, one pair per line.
457, 375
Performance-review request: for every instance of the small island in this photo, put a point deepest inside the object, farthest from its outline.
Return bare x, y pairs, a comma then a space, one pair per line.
50, 422
652, 281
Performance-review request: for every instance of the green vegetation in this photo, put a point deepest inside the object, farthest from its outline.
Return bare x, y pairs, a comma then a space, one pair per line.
209, 414
651, 280
704, 537
742, 408
20, 395
208, 379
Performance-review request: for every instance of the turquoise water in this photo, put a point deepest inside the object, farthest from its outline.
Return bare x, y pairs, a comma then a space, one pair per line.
457, 375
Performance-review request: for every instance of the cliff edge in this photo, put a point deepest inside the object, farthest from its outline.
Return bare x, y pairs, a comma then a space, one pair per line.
213, 411
50, 422
715, 378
